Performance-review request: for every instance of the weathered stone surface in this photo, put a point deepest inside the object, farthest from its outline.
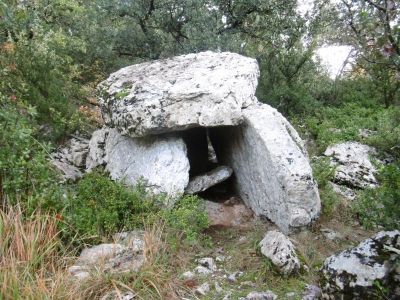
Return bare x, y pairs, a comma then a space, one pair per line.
343, 191
203, 182
268, 295
109, 258
96, 151
70, 159
161, 162
280, 250
353, 166
204, 89
355, 273
311, 292
227, 215
273, 175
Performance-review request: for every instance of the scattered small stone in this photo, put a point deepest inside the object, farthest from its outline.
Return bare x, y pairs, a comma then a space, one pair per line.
220, 258
203, 289
202, 270
115, 296
208, 262
311, 292
330, 234
268, 295
188, 275
234, 276
280, 250
218, 288
290, 295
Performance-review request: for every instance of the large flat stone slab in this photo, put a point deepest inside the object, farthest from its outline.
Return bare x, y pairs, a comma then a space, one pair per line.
205, 89
273, 175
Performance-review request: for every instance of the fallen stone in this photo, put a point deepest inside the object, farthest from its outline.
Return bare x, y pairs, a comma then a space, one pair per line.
203, 289
357, 273
311, 292
353, 166
160, 164
203, 182
268, 295
222, 215
280, 250
273, 175
205, 89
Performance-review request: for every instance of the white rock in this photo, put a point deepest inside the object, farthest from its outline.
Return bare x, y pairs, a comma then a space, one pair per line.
97, 145
355, 273
202, 270
208, 262
280, 250
353, 166
203, 182
160, 162
204, 89
203, 289
268, 295
343, 191
272, 171
188, 275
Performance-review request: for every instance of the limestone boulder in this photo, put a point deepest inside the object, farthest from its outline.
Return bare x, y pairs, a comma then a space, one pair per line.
205, 89
273, 175
359, 272
353, 164
280, 250
160, 163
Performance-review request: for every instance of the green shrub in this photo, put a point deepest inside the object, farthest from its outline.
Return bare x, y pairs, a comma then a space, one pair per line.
187, 216
102, 207
25, 175
381, 206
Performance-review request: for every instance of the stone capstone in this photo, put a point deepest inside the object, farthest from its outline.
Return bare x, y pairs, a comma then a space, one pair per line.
280, 250
273, 175
203, 182
359, 272
353, 166
205, 89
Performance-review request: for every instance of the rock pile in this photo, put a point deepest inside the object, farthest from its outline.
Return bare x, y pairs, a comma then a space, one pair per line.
190, 122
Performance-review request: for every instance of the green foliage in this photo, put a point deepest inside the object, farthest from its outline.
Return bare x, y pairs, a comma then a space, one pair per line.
329, 125
381, 206
103, 207
25, 175
188, 216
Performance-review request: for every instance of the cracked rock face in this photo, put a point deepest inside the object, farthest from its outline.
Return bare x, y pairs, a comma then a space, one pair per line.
357, 273
206, 89
280, 250
353, 166
273, 175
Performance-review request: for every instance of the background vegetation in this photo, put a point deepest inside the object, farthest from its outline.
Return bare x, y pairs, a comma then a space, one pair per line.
53, 54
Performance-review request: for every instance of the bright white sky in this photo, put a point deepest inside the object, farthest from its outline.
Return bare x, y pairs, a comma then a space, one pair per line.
332, 57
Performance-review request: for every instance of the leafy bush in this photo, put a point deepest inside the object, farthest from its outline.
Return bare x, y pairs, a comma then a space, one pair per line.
381, 206
102, 207
25, 175
188, 216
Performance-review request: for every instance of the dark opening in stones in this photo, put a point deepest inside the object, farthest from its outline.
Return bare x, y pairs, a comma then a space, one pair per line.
202, 158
